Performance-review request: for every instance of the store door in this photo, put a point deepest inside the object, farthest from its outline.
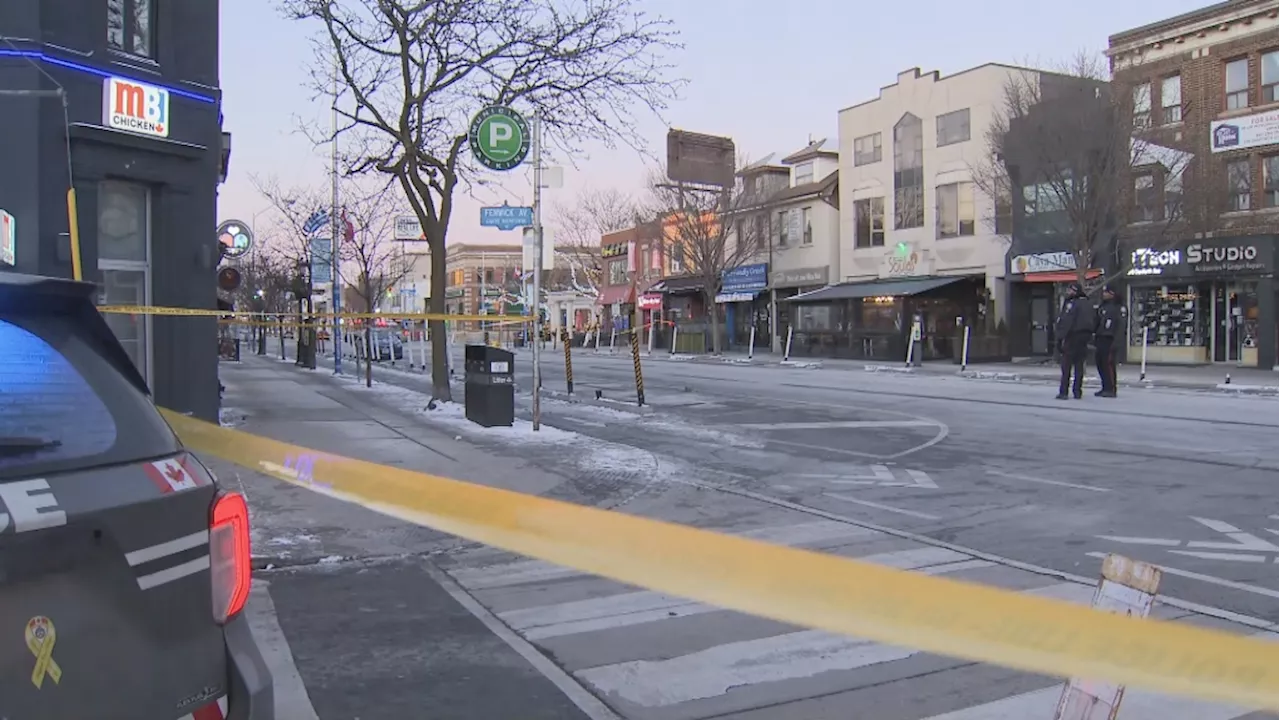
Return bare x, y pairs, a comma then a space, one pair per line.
1227, 316
1041, 323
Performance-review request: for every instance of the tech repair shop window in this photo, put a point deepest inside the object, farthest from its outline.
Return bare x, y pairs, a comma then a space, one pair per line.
129, 27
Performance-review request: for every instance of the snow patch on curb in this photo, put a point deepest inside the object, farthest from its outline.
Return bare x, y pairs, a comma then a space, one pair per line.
889, 369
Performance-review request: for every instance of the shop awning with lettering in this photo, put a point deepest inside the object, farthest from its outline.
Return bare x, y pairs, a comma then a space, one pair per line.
615, 294
1062, 276
875, 288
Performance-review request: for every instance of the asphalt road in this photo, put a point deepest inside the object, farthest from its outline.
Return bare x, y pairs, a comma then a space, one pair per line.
988, 482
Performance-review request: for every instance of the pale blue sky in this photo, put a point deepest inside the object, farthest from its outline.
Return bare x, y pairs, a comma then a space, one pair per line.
765, 72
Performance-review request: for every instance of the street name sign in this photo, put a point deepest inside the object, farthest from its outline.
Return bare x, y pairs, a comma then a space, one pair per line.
506, 217
499, 137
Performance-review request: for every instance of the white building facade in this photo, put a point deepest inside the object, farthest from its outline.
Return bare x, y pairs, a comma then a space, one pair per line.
917, 237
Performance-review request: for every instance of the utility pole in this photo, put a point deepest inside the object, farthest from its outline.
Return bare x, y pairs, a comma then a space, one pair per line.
336, 229
537, 273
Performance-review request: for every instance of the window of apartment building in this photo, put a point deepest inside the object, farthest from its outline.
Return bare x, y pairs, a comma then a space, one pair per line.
1142, 105
953, 127
908, 173
1173, 194
129, 27
866, 149
677, 257
1236, 83
1171, 100
1146, 199
618, 272
781, 229
955, 210
806, 226
1270, 176
1004, 212
1239, 184
760, 231
804, 173
868, 222
1270, 73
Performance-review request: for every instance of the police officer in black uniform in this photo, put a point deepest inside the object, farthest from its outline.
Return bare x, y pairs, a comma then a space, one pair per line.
1073, 330
1106, 327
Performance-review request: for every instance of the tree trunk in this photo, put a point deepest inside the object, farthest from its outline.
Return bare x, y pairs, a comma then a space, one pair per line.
714, 314
368, 365
436, 328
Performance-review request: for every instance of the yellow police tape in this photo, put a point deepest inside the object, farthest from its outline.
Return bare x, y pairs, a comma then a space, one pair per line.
192, 312
801, 587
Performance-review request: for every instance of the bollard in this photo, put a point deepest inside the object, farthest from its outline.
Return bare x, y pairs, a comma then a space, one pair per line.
675, 330
613, 337
751, 345
653, 331
568, 361
596, 339
635, 360
786, 353
1142, 374
282, 355
964, 350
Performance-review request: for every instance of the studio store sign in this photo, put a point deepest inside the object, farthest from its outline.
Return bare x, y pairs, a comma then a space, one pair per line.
1223, 257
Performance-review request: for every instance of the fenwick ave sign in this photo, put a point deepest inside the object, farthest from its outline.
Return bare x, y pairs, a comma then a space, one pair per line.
1199, 258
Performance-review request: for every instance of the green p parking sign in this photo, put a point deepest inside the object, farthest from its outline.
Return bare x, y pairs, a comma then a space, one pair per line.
499, 137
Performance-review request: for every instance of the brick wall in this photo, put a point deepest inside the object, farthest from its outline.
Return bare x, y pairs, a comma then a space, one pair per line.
1202, 70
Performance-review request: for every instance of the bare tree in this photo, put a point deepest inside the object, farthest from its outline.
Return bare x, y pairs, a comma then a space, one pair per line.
413, 73
702, 229
289, 240
369, 247
578, 227
1065, 150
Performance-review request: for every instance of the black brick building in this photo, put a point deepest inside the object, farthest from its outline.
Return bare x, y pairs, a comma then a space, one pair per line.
122, 96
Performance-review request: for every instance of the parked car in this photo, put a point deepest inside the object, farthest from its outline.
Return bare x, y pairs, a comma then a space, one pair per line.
124, 565
387, 345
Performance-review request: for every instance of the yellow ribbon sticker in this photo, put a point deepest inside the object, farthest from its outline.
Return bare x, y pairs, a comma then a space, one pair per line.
41, 636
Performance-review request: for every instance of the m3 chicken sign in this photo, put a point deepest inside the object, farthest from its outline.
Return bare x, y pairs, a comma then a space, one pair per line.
134, 107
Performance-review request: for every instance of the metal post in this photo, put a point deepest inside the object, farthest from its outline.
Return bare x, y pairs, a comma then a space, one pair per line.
911, 344
597, 338
568, 361
1142, 375
751, 346
786, 354
964, 351
536, 301
335, 242
613, 338
675, 330
635, 360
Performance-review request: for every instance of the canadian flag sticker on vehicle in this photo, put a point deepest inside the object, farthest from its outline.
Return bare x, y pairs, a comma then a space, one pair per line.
170, 476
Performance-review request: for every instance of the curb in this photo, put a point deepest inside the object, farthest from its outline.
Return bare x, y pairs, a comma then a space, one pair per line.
609, 403
889, 369
800, 364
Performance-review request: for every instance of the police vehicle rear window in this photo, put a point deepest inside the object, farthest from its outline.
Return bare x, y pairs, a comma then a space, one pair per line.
64, 406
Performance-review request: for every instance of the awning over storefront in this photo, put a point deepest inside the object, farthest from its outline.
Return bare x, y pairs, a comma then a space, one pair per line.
735, 297
677, 285
615, 294
1063, 276
875, 288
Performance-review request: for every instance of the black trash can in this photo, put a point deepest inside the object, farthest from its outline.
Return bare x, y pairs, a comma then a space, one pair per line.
490, 386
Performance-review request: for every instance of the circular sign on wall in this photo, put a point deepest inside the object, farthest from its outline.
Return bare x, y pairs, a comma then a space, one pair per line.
499, 137
235, 238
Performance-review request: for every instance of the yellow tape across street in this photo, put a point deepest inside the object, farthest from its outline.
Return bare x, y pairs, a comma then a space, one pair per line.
193, 312
800, 587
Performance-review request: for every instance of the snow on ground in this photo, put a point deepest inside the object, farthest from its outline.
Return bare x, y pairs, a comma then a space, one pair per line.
230, 417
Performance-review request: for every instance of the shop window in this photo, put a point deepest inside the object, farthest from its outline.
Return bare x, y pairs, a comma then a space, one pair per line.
868, 222
880, 314
1269, 180
1270, 73
129, 27
124, 259
1239, 184
1171, 100
813, 318
1171, 315
955, 210
1142, 106
1236, 83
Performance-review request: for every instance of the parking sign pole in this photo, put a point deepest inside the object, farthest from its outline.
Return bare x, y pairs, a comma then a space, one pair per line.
536, 301
337, 229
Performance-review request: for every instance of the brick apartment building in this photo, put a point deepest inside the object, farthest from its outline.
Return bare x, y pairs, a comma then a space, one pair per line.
1203, 285
482, 280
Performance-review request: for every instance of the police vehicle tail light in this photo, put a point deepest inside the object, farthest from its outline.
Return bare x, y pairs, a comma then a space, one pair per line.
229, 555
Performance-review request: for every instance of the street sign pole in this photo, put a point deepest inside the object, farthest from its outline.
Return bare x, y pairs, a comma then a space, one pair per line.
336, 297
536, 300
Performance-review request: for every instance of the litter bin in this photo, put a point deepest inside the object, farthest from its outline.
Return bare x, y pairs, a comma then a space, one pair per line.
490, 386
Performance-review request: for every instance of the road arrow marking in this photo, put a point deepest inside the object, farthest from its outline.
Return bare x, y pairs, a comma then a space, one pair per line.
1232, 557
1245, 544
1243, 540
1141, 541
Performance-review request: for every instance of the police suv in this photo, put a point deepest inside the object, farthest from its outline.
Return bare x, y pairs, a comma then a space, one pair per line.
124, 568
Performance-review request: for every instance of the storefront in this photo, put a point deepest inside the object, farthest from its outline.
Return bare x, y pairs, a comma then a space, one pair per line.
1038, 285
1205, 301
745, 304
786, 284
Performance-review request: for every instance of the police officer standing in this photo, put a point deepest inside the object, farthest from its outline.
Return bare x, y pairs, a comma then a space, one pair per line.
1106, 327
1073, 330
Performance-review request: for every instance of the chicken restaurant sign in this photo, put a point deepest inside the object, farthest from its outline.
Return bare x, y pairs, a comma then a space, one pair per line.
1229, 255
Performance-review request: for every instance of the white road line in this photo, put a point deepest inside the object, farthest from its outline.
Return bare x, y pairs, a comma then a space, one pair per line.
169, 574
531, 571
711, 672
886, 508
1161, 542
1229, 557
1047, 481
1207, 578
638, 608
155, 552
833, 424
589, 704
291, 699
